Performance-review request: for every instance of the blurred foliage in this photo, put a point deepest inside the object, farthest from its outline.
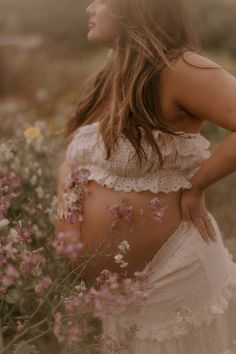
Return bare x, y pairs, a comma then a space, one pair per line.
66, 20
62, 20
215, 23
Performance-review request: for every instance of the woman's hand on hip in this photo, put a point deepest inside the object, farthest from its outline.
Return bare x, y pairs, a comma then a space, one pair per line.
193, 208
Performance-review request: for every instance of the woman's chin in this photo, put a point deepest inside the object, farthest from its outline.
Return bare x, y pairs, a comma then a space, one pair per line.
92, 36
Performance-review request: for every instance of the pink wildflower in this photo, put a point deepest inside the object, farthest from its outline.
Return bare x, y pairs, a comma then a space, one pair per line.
73, 332
128, 214
58, 327
11, 274
44, 284
19, 325
67, 244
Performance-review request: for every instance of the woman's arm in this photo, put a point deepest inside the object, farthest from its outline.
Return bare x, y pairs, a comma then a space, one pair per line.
220, 164
208, 94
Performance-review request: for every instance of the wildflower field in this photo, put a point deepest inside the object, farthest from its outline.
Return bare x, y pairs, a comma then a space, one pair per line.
45, 307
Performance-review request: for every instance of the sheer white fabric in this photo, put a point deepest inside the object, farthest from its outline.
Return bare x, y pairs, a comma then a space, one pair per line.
182, 159
191, 306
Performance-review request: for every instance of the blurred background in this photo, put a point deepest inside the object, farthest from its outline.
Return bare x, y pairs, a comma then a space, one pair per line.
45, 56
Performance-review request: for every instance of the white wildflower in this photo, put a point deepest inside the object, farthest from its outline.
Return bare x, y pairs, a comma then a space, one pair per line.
3, 223
123, 264
33, 180
40, 192
39, 144
53, 207
5, 152
37, 270
118, 258
124, 246
38, 233
13, 235
10, 250
15, 164
70, 198
26, 172
42, 95
81, 286
39, 172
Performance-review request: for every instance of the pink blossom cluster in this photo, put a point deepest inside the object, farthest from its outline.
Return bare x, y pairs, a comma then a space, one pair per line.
124, 213
70, 332
25, 233
32, 261
18, 260
156, 208
67, 244
114, 295
9, 185
43, 285
71, 326
10, 275
23, 267
75, 193
110, 295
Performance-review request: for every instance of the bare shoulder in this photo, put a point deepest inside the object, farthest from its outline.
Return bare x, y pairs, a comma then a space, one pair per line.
190, 59
203, 88
189, 67
190, 63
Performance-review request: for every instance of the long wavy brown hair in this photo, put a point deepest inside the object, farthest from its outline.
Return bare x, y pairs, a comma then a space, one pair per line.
123, 95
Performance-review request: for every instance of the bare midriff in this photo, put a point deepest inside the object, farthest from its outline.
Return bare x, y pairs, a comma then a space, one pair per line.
145, 234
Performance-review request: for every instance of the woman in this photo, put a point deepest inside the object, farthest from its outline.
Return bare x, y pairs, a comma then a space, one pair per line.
152, 95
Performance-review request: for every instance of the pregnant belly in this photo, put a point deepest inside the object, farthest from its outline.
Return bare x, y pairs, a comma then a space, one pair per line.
102, 232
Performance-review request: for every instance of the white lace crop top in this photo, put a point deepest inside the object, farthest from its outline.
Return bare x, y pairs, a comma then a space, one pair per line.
182, 159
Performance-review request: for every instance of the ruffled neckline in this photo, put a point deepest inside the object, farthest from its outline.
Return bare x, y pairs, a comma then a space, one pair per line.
182, 159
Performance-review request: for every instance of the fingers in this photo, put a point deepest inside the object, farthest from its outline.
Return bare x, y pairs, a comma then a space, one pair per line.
205, 228
202, 222
185, 215
193, 209
210, 229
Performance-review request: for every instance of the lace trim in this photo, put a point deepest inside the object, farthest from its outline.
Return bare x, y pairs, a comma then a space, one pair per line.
183, 319
165, 181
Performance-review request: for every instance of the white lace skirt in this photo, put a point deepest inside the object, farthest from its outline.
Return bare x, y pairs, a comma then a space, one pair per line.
191, 306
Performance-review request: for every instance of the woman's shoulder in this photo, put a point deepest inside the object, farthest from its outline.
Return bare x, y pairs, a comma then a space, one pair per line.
191, 82
190, 59
187, 64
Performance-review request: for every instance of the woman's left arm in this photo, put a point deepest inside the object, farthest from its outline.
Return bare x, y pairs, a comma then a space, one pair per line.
208, 94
